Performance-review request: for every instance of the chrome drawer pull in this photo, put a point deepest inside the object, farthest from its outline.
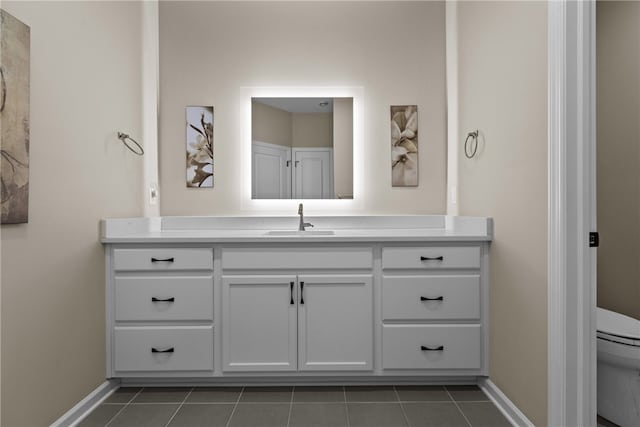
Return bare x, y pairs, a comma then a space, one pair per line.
431, 299
425, 348
154, 299
162, 260
435, 258
168, 350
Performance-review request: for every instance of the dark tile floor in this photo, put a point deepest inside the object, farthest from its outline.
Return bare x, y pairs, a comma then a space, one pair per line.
384, 406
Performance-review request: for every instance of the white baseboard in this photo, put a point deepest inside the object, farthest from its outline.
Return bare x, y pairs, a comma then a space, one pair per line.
76, 414
506, 406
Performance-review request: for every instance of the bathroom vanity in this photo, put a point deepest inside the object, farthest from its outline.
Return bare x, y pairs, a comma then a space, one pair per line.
250, 299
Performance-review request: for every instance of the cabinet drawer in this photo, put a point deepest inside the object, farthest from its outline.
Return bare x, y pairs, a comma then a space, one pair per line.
163, 259
298, 258
452, 347
431, 257
431, 297
164, 298
163, 349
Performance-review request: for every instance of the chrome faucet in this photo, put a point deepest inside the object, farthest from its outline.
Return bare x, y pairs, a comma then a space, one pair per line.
302, 223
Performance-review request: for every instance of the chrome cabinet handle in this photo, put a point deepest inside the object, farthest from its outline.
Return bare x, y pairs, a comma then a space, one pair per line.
425, 348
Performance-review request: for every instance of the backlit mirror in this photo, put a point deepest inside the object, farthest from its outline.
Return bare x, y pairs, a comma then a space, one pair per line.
302, 148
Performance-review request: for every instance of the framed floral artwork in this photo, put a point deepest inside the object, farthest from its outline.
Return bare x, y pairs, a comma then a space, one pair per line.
404, 146
14, 119
199, 147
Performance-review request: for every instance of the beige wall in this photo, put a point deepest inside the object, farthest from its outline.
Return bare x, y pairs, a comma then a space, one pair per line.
52, 268
269, 124
503, 93
343, 147
85, 86
312, 130
618, 155
280, 127
395, 51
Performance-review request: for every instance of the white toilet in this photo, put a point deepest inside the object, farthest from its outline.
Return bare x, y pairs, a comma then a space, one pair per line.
618, 368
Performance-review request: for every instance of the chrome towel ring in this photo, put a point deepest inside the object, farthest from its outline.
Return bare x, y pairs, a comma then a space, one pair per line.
471, 148
124, 137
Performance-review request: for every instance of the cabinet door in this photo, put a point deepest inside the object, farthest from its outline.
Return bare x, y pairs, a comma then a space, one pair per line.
335, 319
259, 323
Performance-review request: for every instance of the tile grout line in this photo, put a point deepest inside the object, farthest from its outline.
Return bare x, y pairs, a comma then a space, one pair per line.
346, 404
293, 390
124, 406
233, 411
179, 406
404, 413
457, 406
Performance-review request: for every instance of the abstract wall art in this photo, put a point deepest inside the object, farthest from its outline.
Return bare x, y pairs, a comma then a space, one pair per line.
14, 119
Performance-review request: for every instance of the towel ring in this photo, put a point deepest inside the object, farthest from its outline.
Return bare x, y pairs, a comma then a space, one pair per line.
470, 153
124, 137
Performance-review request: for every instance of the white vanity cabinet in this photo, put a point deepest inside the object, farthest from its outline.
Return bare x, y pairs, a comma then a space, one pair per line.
210, 301
160, 311
310, 319
433, 309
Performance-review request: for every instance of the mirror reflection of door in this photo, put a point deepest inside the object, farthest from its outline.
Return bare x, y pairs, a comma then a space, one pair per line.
313, 173
271, 171
294, 144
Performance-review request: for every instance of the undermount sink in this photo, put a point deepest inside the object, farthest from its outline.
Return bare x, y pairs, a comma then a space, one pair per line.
300, 233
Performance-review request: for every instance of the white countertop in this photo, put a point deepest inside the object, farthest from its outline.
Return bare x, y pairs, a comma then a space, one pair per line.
410, 228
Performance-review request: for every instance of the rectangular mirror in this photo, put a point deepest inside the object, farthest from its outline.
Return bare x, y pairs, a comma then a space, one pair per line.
301, 148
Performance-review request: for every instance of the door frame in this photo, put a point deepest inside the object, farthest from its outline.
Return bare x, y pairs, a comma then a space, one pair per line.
571, 307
